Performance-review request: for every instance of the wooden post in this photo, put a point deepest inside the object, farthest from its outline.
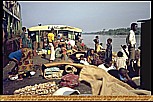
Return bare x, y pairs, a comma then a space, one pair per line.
145, 55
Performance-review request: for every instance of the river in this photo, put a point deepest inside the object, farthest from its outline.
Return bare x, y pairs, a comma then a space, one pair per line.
117, 40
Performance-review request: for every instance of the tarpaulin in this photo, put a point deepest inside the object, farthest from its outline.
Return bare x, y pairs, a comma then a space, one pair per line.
102, 83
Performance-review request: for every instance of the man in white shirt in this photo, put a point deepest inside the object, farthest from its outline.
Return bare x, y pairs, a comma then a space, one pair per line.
107, 66
131, 42
83, 60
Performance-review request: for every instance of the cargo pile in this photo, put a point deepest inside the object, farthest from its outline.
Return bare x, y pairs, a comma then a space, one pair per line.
41, 89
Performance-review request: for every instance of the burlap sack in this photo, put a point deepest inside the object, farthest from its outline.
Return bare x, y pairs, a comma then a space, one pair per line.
104, 84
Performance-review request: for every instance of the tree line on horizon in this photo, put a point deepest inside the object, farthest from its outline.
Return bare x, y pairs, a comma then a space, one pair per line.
119, 31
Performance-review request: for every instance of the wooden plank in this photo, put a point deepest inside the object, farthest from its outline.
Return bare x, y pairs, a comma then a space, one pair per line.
63, 63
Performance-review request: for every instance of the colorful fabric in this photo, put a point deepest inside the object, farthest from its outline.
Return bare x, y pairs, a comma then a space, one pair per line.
26, 63
70, 80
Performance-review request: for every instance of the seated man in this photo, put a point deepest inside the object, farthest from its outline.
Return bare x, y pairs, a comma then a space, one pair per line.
107, 66
123, 76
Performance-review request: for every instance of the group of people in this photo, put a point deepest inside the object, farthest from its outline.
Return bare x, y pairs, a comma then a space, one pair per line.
25, 39
61, 48
127, 61
21, 60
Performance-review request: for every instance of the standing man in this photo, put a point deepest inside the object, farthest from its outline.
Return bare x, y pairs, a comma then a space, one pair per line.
108, 53
131, 43
23, 39
51, 44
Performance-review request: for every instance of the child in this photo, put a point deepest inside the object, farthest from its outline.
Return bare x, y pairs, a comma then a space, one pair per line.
120, 61
99, 47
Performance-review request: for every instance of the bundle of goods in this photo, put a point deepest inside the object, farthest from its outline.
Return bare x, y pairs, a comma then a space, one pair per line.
41, 89
52, 73
70, 80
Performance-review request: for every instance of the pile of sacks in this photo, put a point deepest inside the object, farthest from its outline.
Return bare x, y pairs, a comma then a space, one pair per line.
41, 89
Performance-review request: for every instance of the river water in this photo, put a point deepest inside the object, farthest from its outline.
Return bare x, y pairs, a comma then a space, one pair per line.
117, 40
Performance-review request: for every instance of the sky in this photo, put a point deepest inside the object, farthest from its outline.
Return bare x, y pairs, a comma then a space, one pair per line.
89, 16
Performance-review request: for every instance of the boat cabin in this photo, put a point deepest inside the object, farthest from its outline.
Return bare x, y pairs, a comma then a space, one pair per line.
60, 31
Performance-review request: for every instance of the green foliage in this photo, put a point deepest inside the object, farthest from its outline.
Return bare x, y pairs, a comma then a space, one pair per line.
119, 31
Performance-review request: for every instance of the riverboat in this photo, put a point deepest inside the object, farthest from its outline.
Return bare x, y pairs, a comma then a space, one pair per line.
39, 33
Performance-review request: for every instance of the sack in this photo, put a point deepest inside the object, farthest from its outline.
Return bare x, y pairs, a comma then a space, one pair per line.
70, 80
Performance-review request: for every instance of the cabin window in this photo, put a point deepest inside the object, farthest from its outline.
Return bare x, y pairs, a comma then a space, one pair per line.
64, 33
70, 35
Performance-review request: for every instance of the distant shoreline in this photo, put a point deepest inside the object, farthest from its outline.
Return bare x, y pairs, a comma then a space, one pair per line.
119, 31
103, 34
